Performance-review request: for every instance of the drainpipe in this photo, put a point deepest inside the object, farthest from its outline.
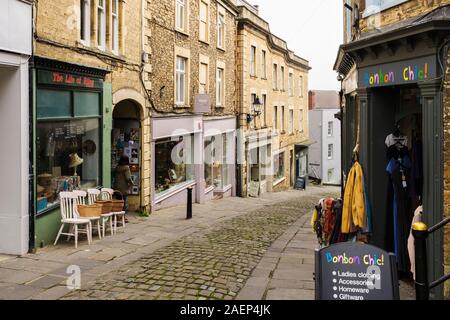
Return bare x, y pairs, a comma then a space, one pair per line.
340, 78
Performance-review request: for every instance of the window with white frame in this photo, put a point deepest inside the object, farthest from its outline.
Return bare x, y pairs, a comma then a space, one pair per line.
282, 78
330, 128
291, 84
300, 123
300, 87
330, 175
204, 21
330, 151
101, 24
180, 95
263, 64
253, 61
220, 87
275, 76
85, 21
203, 78
115, 26
221, 30
181, 15
291, 121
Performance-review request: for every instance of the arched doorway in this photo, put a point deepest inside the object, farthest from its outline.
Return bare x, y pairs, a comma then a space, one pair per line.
127, 140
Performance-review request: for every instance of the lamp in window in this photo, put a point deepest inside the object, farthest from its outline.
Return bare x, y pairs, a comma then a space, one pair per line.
256, 107
75, 161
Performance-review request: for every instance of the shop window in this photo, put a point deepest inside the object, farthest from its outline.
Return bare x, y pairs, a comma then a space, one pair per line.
204, 21
216, 165
85, 21
101, 25
278, 166
181, 15
115, 26
253, 61
84, 102
263, 64
173, 163
181, 81
54, 104
221, 30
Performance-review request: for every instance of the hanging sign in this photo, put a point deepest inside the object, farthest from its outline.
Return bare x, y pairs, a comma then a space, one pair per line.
68, 79
403, 72
355, 271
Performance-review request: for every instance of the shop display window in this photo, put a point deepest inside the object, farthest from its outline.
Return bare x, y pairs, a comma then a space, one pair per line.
67, 158
278, 167
216, 167
173, 162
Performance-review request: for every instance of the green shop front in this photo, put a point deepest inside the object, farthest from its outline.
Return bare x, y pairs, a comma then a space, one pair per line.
71, 133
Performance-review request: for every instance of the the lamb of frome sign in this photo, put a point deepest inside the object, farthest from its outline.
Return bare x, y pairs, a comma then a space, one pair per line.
402, 72
355, 271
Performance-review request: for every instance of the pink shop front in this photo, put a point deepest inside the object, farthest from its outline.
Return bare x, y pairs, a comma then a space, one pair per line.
192, 151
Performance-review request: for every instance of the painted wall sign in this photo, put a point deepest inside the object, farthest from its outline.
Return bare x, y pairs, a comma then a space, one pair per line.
67, 79
355, 271
403, 72
202, 103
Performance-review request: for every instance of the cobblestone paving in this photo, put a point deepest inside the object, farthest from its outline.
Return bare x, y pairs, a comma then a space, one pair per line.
211, 264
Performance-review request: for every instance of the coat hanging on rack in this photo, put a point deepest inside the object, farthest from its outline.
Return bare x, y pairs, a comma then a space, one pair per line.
353, 212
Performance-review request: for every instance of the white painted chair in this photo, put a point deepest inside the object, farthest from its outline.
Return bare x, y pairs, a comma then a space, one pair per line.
70, 216
117, 215
95, 221
94, 195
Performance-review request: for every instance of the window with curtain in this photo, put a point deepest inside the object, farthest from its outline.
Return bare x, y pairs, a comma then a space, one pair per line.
180, 80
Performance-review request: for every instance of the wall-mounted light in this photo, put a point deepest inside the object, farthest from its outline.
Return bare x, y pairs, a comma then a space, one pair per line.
256, 109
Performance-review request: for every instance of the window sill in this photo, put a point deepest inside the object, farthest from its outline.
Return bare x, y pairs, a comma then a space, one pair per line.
204, 42
221, 49
85, 46
184, 33
223, 190
181, 106
253, 77
171, 192
279, 181
263, 78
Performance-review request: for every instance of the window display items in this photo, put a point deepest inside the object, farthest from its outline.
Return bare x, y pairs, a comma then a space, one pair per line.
75, 162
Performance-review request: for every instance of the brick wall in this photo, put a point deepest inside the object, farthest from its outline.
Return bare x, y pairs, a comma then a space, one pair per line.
446, 117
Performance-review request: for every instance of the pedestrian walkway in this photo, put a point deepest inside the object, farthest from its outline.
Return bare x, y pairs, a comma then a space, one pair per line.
43, 275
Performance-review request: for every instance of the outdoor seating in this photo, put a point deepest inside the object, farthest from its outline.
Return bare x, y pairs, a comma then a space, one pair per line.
119, 216
95, 220
107, 219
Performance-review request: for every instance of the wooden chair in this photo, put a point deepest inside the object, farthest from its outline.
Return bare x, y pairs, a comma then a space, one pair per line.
94, 195
69, 216
95, 221
118, 214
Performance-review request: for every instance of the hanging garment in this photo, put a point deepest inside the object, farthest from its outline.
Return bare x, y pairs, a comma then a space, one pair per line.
353, 212
329, 217
399, 170
400, 141
411, 247
337, 236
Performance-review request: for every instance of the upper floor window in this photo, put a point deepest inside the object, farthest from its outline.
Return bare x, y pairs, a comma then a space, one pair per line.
300, 87
282, 78
181, 16
101, 24
263, 64
115, 26
180, 85
264, 110
376, 6
283, 120
275, 118
203, 78
85, 21
330, 128
253, 61
291, 121
221, 30
220, 85
204, 21
300, 123
330, 151
275, 76
291, 84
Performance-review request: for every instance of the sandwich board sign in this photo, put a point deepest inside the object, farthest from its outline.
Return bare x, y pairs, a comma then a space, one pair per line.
355, 271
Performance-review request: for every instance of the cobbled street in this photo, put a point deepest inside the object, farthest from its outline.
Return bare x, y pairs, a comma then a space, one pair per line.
209, 264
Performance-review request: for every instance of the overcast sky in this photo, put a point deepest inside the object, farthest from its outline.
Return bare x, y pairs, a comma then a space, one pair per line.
313, 29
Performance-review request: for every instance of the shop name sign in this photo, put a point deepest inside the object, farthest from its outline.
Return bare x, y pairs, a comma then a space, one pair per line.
67, 79
403, 72
355, 271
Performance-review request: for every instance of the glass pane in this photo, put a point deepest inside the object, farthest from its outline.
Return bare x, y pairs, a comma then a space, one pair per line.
68, 155
208, 163
86, 104
53, 104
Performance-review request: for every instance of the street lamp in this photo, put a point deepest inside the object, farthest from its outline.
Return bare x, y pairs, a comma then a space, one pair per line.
256, 109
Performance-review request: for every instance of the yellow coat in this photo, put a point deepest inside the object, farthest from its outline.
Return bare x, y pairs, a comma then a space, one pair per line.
353, 211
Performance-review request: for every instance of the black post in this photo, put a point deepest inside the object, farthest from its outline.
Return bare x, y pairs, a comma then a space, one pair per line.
341, 109
420, 233
189, 204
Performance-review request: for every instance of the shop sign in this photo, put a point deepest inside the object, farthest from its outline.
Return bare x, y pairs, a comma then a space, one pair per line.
403, 72
68, 79
355, 271
202, 103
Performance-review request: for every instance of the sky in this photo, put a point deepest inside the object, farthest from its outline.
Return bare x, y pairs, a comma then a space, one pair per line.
312, 29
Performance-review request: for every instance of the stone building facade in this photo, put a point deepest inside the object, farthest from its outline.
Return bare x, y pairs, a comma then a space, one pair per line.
193, 79
379, 23
271, 137
92, 53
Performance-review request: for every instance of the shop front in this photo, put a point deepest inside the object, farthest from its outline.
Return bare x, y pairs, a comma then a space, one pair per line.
70, 104
177, 155
15, 52
394, 127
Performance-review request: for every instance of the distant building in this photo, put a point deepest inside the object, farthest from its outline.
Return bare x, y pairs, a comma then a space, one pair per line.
325, 154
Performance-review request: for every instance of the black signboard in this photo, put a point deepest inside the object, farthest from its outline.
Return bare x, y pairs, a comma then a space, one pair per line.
300, 183
355, 271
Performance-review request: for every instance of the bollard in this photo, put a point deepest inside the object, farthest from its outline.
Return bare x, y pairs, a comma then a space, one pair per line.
420, 233
189, 204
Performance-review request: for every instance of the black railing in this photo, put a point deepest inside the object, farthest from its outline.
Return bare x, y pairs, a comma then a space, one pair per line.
421, 233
